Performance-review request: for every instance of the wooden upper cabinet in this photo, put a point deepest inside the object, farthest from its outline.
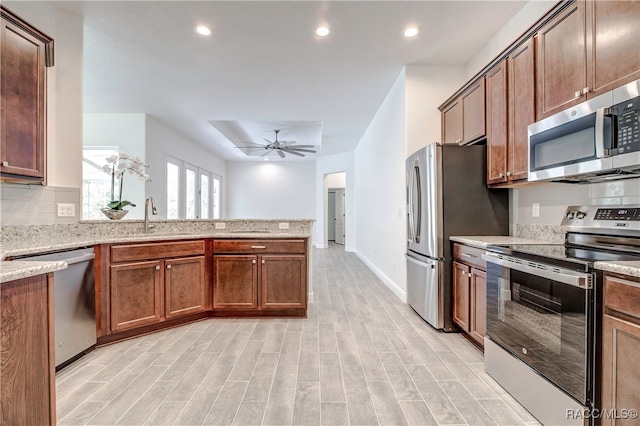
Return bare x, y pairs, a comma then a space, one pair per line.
562, 61
613, 44
497, 129
463, 118
25, 54
522, 108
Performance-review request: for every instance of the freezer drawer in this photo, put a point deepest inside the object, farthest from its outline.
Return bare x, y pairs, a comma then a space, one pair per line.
424, 292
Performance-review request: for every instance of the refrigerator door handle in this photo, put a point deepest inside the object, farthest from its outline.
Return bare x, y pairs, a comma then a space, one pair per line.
416, 174
410, 204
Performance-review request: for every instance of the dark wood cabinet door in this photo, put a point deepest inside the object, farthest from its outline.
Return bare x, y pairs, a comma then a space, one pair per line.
235, 281
184, 286
283, 281
22, 94
136, 293
522, 108
478, 311
473, 113
620, 368
452, 123
27, 362
613, 44
561, 62
497, 130
461, 295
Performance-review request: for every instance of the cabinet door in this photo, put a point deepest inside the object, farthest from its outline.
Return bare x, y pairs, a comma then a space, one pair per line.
235, 281
136, 293
283, 281
497, 135
23, 85
561, 63
27, 362
522, 108
613, 37
473, 113
461, 295
478, 311
621, 368
452, 123
184, 286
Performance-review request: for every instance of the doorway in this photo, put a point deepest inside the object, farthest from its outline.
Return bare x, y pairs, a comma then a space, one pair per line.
335, 210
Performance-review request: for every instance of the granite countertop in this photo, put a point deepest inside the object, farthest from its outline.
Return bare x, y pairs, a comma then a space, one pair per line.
28, 240
631, 268
491, 240
10, 271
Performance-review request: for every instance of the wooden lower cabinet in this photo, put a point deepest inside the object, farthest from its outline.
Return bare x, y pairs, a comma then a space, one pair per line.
148, 286
620, 349
470, 291
235, 281
282, 281
27, 361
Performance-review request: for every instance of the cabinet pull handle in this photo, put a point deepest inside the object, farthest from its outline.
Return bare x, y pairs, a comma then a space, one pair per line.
157, 267
168, 266
467, 255
258, 247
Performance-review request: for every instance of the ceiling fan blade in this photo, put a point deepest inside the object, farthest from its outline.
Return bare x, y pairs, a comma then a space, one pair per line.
293, 152
303, 146
300, 150
281, 154
266, 153
250, 143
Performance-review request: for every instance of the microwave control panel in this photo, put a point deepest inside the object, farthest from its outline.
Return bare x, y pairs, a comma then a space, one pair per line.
628, 125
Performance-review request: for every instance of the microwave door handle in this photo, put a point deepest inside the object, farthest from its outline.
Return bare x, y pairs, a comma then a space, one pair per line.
605, 147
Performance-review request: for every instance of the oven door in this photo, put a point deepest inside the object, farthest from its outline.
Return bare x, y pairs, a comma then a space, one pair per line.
542, 315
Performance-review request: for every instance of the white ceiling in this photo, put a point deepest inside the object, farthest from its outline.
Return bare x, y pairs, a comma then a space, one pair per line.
263, 66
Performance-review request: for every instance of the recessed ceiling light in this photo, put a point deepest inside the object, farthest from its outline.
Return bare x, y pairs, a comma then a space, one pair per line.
411, 32
203, 30
322, 31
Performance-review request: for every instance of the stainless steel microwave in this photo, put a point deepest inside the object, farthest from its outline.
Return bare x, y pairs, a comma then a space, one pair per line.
596, 140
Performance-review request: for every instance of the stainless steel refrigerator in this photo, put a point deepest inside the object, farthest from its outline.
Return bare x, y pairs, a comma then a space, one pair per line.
446, 195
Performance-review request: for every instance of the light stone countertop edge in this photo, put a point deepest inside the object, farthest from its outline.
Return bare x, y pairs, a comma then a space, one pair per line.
483, 241
10, 271
631, 267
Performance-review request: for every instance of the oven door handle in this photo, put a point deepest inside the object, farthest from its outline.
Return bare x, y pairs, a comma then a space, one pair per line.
572, 278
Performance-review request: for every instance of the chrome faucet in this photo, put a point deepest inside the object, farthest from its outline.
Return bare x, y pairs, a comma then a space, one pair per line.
154, 211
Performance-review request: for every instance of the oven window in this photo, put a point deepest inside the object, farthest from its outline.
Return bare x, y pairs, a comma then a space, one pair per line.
544, 323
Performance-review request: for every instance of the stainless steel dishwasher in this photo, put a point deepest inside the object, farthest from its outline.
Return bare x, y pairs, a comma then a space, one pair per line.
74, 303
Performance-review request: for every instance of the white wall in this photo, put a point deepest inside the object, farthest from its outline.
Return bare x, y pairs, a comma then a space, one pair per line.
327, 165
271, 190
162, 141
127, 132
336, 180
31, 204
379, 169
427, 87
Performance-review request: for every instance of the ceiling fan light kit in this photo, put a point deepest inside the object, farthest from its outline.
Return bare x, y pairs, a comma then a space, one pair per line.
280, 147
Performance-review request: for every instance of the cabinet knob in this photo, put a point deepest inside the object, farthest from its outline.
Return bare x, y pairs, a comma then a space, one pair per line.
458, 140
509, 173
253, 261
464, 273
263, 262
157, 267
585, 90
501, 175
577, 94
5, 163
168, 266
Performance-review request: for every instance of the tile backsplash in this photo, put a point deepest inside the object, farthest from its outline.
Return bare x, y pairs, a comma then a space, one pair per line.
36, 204
553, 199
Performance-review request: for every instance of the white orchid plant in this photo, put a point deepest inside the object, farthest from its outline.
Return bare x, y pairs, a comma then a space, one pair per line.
116, 166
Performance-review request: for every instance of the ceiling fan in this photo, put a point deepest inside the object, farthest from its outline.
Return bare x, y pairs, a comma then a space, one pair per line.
281, 147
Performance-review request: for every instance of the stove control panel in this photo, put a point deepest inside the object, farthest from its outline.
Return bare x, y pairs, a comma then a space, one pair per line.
615, 219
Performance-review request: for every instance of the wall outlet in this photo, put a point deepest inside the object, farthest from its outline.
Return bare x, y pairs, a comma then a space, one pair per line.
66, 210
283, 225
220, 225
535, 210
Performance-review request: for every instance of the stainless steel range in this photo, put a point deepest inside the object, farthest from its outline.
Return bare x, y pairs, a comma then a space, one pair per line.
543, 312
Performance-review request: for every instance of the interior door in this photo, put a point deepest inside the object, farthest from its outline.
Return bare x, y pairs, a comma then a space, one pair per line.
340, 201
331, 215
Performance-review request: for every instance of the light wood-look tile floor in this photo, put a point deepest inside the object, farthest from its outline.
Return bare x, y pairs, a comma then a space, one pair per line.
361, 357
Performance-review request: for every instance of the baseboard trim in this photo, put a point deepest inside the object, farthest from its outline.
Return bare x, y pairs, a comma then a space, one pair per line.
402, 295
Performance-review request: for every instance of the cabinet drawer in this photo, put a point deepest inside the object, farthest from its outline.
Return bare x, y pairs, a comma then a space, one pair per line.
469, 255
259, 246
125, 253
622, 296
